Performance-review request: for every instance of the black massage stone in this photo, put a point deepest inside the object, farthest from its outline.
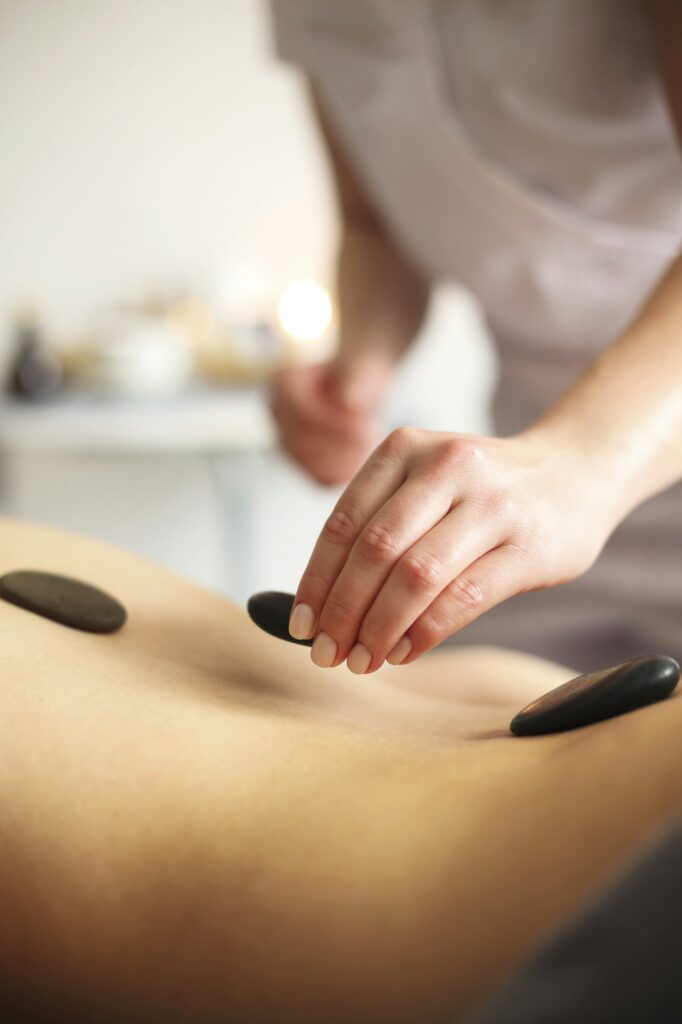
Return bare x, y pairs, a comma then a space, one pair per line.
64, 600
598, 695
270, 610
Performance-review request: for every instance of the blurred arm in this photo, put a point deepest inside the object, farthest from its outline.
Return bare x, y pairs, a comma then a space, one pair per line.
382, 297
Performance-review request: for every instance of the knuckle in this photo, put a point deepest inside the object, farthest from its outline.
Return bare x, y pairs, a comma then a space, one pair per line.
453, 448
340, 526
399, 442
420, 572
529, 547
444, 457
373, 633
501, 504
461, 453
465, 594
378, 543
316, 580
335, 616
428, 631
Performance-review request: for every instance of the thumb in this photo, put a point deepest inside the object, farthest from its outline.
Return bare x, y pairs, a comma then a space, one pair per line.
359, 382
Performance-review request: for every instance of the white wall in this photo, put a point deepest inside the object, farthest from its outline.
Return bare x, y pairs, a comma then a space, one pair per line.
150, 142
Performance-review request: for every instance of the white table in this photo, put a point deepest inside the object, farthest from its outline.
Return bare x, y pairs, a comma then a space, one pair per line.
204, 419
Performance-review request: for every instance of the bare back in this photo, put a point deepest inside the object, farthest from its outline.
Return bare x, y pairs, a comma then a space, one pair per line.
198, 824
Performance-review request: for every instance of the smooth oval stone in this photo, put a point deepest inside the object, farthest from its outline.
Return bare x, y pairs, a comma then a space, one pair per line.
270, 610
63, 599
599, 695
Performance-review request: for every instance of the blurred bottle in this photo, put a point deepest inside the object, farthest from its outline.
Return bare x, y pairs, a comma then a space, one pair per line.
35, 371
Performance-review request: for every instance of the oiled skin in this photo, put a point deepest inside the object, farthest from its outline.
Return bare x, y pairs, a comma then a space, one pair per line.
196, 824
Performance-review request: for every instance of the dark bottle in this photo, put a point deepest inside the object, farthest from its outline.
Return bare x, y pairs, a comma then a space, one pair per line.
35, 371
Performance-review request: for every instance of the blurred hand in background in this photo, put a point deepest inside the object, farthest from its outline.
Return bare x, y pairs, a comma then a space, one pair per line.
329, 415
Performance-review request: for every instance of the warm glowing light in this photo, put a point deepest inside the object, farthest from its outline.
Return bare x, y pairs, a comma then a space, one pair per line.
305, 310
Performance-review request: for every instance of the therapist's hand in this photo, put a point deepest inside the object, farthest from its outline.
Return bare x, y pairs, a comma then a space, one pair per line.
436, 529
328, 414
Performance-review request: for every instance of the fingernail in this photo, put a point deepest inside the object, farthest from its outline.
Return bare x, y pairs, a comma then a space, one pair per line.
400, 651
302, 622
359, 659
323, 650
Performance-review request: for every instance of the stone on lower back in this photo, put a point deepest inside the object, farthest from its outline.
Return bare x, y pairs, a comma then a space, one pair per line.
63, 599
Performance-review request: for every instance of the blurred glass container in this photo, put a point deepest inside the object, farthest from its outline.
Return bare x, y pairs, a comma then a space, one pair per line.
138, 356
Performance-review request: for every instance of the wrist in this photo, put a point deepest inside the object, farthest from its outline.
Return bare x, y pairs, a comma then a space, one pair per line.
599, 475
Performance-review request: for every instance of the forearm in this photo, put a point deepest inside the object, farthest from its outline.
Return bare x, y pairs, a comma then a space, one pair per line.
625, 413
382, 296
382, 299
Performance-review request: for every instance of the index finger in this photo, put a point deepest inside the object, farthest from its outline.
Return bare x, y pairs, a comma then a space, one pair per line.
382, 474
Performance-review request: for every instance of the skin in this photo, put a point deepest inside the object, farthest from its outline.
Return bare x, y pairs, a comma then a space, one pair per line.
328, 415
437, 528
197, 826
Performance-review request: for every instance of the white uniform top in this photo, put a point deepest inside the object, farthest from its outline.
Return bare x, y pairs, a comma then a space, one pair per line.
524, 148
